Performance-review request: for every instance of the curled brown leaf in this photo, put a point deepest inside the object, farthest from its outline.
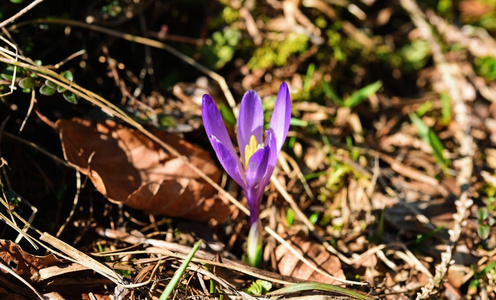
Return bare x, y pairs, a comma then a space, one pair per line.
128, 168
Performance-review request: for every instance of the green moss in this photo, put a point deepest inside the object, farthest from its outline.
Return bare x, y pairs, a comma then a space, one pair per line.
275, 52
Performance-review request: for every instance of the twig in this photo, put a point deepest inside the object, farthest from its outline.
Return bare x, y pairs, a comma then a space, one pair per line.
299, 173
20, 13
74, 204
30, 109
464, 139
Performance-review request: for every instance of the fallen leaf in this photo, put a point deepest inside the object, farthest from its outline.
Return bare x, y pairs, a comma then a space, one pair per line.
290, 265
128, 168
24, 264
32, 269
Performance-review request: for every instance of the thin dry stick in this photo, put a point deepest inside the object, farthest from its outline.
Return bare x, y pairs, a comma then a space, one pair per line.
30, 109
299, 173
4, 52
69, 58
368, 253
74, 204
20, 13
464, 139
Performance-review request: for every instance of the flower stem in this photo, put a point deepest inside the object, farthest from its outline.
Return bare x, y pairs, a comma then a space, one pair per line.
254, 245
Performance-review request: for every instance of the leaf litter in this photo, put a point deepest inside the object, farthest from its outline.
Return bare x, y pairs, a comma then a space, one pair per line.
380, 184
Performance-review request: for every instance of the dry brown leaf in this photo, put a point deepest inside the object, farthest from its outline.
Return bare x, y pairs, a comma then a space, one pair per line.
289, 265
127, 167
24, 264
32, 267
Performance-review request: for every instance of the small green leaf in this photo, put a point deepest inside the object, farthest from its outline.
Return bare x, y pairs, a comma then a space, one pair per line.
8, 73
430, 137
422, 238
482, 214
67, 75
488, 268
259, 287
424, 108
70, 97
314, 217
437, 148
329, 92
6, 76
362, 94
46, 90
483, 231
290, 215
27, 83
51, 84
298, 122
61, 89
445, 108
308, 79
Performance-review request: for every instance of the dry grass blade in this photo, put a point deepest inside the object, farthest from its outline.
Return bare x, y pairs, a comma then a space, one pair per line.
12, 56
81, 258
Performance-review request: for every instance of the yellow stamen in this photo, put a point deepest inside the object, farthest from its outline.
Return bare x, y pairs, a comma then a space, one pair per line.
251, 148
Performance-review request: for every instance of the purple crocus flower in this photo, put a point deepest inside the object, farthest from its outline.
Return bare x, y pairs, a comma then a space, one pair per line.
253, 167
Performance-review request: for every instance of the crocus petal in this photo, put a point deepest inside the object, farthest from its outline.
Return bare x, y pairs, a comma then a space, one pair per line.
250, 121
270, 143
281, 116
214, 126
229, 161
257, 167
